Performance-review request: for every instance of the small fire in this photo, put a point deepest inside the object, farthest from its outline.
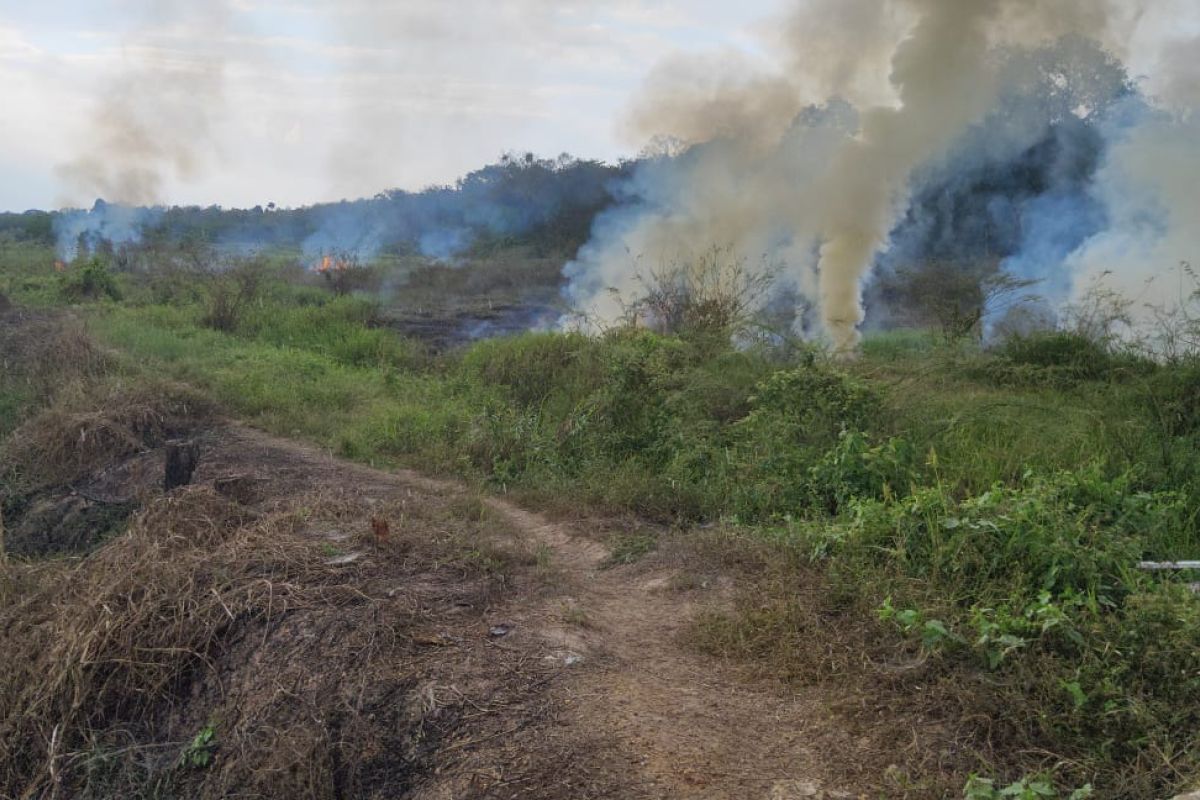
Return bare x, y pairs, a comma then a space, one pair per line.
330, 264
60, 266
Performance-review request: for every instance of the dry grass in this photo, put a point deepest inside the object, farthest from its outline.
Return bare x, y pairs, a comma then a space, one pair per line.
101, 641
918, 725
93, 424
46, 350
207, 616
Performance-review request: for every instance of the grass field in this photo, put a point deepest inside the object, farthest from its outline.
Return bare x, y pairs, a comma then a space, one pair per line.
987, 509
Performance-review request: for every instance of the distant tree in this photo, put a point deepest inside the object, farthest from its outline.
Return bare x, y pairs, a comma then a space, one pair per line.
955, 298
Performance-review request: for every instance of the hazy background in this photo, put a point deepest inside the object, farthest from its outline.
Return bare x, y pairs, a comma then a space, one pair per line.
243, 102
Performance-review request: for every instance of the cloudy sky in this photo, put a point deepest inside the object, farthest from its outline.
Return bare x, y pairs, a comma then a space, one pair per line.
244, 102
241, 102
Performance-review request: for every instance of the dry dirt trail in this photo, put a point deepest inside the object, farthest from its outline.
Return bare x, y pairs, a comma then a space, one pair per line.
687, 725
663, 720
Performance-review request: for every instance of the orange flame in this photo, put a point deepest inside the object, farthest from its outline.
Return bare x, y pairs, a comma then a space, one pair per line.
331, 264
60, 266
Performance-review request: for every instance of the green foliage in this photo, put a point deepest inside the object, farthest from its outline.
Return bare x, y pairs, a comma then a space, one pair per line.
1038, 584
1173, 397
229, 293
1070, 533
343, 329
89, 280
857, 469
199, 752
535, 369
933, 633
1074, 351
1037, 788
1059, 359
804, 435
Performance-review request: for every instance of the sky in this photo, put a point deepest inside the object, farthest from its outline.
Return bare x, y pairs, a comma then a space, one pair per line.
245, 102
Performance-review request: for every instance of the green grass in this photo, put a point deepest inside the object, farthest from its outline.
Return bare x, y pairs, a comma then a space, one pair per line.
361, 412
27, 275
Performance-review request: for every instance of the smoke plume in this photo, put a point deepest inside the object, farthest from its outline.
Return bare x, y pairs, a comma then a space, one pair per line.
155, 118
153, 121
892, 129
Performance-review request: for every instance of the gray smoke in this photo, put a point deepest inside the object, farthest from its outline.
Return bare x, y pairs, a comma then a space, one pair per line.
817, 164
154, 120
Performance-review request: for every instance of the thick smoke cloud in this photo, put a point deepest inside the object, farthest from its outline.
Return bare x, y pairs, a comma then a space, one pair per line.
1149, 186
981, 124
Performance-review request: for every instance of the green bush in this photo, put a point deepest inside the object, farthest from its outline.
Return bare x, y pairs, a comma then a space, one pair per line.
785, 447
1038, 584
1058, 349
1172, 395
1057, 359
1072, 535
89, 280
856, 469
534, 367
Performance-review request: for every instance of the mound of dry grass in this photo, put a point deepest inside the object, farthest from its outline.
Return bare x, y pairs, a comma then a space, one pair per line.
95, 424
46, 351
103, 640
211, 651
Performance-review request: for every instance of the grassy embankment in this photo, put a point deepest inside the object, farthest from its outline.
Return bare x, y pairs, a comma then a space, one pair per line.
986, 511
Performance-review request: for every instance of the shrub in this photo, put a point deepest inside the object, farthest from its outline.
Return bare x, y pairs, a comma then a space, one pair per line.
229, 294
953, 296
89, 280
1058, 359
534, 366
1073, 534
798, 417
1084, 356
711, 296
1091, 659
1172, 394
856, 469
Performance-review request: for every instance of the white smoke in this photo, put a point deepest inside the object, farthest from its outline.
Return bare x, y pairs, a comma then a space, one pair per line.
821, 191
1150, 184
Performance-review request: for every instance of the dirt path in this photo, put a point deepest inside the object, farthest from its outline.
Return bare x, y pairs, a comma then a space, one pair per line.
674, 723
688, 725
